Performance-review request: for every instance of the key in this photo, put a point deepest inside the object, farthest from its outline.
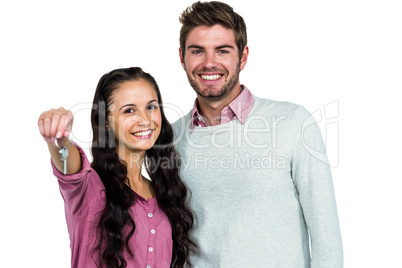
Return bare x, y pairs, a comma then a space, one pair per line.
64, 154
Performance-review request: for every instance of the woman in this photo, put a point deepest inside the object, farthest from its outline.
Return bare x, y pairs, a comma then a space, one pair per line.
115, 216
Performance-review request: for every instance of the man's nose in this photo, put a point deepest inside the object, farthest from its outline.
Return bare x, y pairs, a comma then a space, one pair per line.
210, 60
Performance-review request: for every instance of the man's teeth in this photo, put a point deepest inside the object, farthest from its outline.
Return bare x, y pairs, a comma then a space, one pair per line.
211, 77
142, 133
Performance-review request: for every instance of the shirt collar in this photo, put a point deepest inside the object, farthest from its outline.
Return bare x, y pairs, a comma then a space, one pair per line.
239, 108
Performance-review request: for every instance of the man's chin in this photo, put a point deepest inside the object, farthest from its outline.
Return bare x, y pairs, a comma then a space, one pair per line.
208, 91
214, 96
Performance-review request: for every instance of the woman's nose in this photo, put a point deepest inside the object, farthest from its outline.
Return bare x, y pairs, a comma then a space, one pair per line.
144, 120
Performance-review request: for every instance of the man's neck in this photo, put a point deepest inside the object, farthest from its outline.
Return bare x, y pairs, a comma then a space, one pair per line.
211, 109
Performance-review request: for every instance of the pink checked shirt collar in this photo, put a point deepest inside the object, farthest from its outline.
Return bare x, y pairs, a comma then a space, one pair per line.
239, 108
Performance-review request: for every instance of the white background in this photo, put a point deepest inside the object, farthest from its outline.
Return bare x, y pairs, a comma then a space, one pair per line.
308, 52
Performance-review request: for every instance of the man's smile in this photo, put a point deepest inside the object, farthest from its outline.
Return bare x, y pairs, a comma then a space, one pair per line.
211, 77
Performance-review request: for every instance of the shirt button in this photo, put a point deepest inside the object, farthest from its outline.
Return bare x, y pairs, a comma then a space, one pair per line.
150, 249
152, 231
150, 215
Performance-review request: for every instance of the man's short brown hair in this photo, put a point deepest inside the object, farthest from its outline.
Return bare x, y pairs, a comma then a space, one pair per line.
210, 14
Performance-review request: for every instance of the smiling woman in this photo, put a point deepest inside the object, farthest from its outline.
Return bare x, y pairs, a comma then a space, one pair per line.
115, 216
136, 117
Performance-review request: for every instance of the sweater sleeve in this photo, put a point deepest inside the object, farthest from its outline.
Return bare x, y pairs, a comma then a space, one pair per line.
78, 189
312, 176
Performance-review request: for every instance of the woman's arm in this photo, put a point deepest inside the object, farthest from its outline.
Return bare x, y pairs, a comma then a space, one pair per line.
54, 125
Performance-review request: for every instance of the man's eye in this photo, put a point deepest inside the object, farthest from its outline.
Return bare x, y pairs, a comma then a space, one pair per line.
198, 51
129, 111
223, 51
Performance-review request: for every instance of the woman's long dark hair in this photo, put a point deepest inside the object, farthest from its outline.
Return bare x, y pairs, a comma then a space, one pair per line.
116, 226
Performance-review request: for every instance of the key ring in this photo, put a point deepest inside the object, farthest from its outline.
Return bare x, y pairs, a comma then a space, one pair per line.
70, 137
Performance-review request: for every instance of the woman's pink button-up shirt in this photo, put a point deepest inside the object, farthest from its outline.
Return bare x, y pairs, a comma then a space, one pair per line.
84, 199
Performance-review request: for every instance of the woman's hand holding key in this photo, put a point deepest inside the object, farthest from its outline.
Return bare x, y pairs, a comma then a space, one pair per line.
54, 126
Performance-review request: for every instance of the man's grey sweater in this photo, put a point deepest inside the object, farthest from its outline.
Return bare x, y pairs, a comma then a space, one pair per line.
260, 190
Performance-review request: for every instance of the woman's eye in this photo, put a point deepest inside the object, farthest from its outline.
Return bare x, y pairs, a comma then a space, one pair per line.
129, 111
153, 107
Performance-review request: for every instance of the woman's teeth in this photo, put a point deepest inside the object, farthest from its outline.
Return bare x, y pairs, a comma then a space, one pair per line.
142, 133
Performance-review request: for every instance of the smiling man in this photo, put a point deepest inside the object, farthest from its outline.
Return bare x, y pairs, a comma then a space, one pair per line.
212, 64
260, 198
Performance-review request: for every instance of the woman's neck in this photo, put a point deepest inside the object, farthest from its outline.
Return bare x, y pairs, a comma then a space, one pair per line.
137, 182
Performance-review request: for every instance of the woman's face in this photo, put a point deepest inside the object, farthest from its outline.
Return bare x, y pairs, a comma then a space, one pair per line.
135, 115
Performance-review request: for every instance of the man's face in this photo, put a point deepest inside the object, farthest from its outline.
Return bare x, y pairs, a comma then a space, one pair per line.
212, 64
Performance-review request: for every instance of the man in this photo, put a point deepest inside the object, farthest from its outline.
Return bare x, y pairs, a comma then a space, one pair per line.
258, 195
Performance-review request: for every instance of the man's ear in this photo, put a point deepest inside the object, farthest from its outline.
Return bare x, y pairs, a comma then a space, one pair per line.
244, 58
182, 59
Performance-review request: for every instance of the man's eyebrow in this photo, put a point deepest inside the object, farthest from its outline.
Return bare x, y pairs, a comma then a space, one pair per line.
218, 47
195, 46
225, 46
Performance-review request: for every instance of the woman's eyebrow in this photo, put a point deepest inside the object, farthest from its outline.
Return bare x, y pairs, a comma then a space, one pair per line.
126, 105
133, 105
